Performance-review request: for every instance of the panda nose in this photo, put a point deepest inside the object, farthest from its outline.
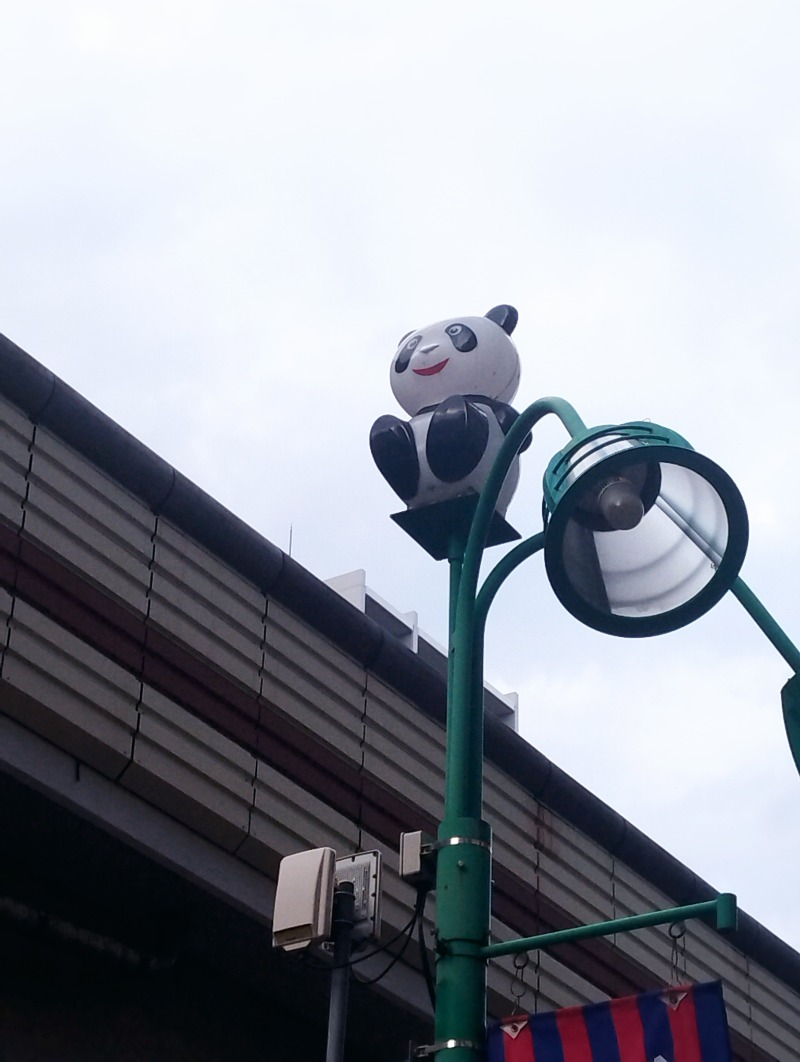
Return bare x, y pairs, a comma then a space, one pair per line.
429, 348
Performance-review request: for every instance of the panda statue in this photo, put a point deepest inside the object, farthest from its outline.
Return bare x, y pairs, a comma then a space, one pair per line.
455, 379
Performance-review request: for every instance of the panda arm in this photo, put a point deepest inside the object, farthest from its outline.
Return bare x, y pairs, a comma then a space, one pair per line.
506, 415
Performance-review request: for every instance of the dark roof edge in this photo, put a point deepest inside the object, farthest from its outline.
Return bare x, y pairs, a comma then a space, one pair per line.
48, 401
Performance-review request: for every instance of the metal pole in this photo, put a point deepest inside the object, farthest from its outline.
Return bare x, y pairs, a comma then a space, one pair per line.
464, 863
343, 920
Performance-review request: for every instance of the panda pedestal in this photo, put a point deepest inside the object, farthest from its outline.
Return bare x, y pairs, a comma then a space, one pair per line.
443, 527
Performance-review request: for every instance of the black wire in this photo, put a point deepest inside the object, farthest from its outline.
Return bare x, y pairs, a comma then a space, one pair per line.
425, 958
408, 932
395, 958
419, 906
362, 958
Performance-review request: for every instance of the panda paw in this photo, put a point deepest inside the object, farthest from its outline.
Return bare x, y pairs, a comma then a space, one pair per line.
395, 453
457, 437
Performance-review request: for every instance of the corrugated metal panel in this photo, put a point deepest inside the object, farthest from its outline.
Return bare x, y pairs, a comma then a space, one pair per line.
80, 515
74, 696
404, 748
207, 606
16, 432
187, 769
581, 877
309, 679
703, 955
519, 831
5, 612
652, 948
286, 819
548, 983
203, 779
776, 1016
571, 870
529, 838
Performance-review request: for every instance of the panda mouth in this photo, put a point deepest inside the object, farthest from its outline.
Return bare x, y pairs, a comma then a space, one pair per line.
432, 369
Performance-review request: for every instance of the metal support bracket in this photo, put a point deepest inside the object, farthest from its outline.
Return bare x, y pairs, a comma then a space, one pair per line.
426, 1050
418, 854
723, 909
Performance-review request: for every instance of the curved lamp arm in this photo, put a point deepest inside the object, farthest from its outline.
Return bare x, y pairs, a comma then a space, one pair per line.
490, 492
785, 646
790, 694
464, 758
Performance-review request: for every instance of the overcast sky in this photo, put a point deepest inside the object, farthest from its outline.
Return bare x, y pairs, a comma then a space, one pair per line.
217, 220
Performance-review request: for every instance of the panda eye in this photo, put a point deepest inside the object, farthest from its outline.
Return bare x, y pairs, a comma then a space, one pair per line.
462, 337
404, 357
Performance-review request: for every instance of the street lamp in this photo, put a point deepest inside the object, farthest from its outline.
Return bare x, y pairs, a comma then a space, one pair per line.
641, 536
644, 534
687, 526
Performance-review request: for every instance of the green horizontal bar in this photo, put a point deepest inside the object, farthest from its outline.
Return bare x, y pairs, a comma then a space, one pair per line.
724, 907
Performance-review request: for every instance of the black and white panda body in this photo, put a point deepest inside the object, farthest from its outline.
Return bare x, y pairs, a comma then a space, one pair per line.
455, 379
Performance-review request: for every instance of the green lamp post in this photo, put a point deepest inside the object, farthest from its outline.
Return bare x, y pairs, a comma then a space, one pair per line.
641, 536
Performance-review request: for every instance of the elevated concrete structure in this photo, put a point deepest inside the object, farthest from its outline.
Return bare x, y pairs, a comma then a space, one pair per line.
181, 704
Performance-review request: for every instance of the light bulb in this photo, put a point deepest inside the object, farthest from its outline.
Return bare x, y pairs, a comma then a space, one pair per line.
620, 503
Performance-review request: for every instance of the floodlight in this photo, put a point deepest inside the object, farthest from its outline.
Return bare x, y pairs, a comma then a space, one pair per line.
643, 534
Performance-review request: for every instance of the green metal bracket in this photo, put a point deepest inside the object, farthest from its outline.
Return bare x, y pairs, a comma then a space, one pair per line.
779, 638
790, 696
723, 908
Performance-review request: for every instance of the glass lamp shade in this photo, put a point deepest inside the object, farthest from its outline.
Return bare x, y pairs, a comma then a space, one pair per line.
643, 535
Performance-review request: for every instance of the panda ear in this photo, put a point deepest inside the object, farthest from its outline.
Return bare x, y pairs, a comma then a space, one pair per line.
504, 315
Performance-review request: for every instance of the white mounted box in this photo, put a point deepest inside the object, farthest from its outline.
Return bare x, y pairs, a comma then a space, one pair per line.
303, 899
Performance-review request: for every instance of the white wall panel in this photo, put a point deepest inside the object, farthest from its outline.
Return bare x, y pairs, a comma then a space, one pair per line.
82, 516
206, 605
66, 691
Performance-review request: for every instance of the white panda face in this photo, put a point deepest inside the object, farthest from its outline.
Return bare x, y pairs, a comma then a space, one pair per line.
462, 356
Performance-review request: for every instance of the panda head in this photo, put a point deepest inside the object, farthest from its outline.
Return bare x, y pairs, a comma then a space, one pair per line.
461, 356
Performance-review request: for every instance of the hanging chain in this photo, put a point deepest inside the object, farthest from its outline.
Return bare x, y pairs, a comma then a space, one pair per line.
613, 897
518, 987
538, 843
677, 932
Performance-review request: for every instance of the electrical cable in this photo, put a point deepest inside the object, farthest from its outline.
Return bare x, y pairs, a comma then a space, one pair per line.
409, 926
419, 906
395, 959
425, 959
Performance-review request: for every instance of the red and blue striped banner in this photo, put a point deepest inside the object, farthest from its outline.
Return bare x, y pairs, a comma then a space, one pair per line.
684, 1024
